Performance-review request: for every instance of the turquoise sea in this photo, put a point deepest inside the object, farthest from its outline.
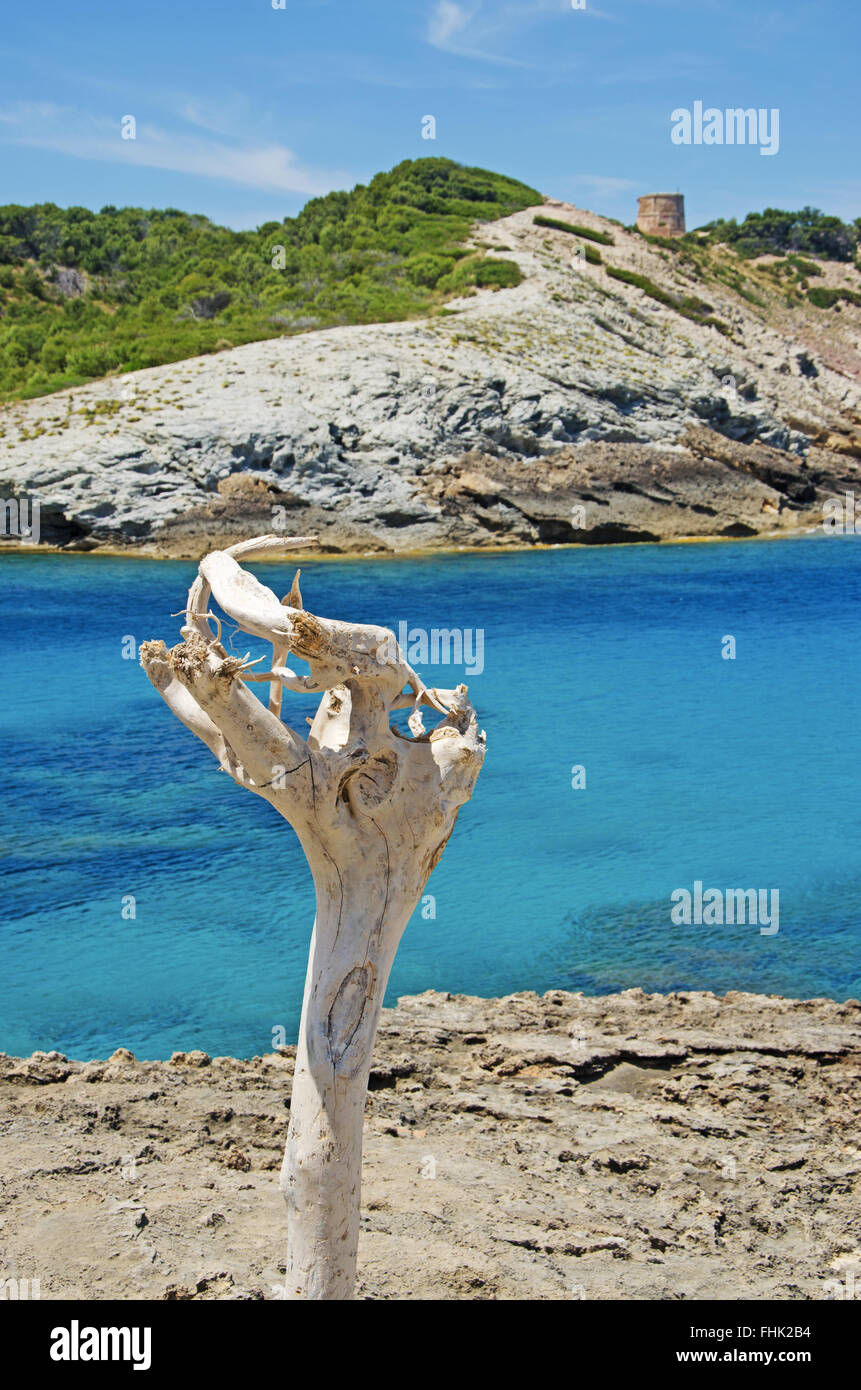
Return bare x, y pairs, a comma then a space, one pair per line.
736, 773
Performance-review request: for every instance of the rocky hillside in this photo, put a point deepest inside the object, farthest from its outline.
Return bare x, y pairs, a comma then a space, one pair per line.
626, 389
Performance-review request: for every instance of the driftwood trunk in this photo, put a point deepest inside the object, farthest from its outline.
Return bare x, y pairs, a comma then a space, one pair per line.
373, 809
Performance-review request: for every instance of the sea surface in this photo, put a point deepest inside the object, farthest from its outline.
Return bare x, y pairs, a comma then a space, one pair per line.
735, 773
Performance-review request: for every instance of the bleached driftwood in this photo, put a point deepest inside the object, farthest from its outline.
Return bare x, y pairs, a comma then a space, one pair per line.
373, 809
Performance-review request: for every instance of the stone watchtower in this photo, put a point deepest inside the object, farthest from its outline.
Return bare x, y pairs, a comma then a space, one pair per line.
661, 214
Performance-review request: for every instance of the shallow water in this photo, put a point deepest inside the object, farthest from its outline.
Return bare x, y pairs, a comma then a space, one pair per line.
739, 774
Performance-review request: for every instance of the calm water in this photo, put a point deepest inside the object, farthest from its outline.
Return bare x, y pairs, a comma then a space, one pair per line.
737, 773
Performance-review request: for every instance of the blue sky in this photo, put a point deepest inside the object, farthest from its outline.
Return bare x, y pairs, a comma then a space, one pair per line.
244, 111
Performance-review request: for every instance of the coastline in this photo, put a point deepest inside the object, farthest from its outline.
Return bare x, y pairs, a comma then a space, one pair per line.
531, 418
628, 1146
425, 553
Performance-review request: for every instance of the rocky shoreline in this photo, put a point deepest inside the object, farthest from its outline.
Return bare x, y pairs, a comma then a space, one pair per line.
574, 408
632, 1146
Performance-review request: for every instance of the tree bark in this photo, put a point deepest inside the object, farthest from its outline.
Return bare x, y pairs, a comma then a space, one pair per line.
348, 970
373, 810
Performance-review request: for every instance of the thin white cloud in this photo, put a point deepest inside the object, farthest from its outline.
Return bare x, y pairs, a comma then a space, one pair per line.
217, 122
479, 29
447, 20
271, 168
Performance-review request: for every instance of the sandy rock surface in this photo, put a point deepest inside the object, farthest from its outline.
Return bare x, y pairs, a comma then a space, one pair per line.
626, 1147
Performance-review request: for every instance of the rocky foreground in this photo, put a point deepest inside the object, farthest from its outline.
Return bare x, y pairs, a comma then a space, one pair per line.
557, 1147
572, 408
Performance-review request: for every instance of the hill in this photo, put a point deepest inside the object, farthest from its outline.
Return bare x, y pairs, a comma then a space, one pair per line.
83, 293
614, 387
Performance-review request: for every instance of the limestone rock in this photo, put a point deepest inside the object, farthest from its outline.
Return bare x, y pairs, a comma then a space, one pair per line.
571, 383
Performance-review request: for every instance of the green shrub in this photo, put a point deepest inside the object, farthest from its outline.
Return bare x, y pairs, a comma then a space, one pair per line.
691, 308
803, 267
485, 274
590, 254
385, 251
53, 355
822, 298
641, 282
497, 274
192, 283
427, 269
603, 237
32, 283
24, 343
668, 243
774, 231
94, 359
